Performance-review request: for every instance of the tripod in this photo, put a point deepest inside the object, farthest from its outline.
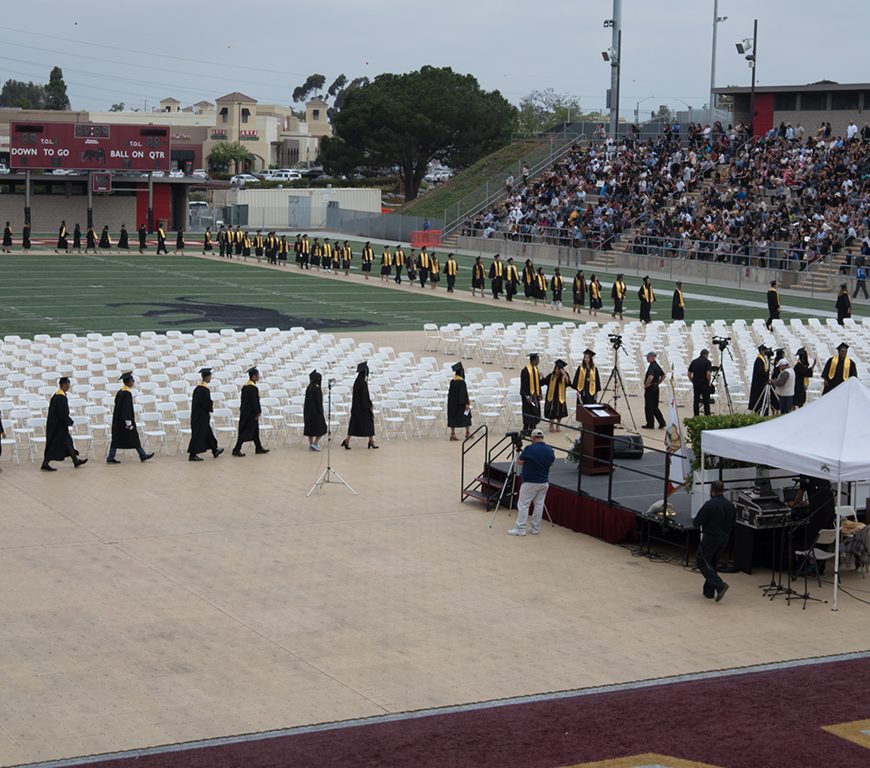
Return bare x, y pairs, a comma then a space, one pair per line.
721, 370
329, 473
509, 481
615, 378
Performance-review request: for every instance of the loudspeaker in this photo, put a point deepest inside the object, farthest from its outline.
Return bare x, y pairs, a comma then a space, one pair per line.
627, 447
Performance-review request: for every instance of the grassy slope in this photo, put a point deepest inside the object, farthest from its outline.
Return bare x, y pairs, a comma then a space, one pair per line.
494, 167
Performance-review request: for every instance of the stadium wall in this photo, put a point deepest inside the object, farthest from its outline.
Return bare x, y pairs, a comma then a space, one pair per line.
47, 211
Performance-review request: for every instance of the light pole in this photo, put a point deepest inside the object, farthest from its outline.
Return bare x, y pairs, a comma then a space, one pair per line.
717, 19
749, 48
614, 56
637, 107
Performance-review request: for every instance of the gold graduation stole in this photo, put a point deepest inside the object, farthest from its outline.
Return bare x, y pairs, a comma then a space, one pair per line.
557, 390
648, 294
534, 381
594, 290
764, 360
558, 282
832, 369
581, 381
450, 267
367, 254
423, 260
680, 300
620, 289
497, 265
387, 258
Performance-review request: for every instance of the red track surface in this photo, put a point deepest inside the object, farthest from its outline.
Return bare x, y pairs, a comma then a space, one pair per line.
756, 720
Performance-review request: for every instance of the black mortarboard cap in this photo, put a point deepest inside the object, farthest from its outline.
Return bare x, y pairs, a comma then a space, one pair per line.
314, 376
252, 371
762, 347
589, 352
205, 371
362, 367
560, 364
126, 375
842, 345
533, 355
456, 367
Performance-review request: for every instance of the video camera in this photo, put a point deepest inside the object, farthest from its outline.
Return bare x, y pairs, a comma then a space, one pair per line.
615, 340
516, 439
722, 342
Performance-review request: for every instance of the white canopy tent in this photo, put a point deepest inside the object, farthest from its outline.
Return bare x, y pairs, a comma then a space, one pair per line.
829, 438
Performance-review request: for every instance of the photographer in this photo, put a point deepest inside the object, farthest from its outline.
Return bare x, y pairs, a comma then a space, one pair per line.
534, 463
783, 385
701, 376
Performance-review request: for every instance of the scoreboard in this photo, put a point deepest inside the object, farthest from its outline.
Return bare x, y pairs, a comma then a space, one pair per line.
89, 146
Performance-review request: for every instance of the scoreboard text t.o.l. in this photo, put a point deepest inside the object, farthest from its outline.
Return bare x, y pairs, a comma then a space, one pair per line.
89, 146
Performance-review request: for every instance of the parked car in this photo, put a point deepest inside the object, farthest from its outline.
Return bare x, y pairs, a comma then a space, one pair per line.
240, 179
200, 173
439, 174
283, 176
158, 174
195, 205
176, 174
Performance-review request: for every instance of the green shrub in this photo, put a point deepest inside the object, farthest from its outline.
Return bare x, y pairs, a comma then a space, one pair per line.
697, 424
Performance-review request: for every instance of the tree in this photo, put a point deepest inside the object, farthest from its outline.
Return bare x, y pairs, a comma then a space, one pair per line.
55, 91
341, 93
663, 113
17, 93
226, 152
545, 109
119, 107
337, 85
411, 119
312, 83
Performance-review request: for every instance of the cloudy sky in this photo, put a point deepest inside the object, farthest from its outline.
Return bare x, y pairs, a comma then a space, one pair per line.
137, 53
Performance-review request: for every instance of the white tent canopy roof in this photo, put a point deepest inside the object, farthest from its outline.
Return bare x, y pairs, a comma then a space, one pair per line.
829, 438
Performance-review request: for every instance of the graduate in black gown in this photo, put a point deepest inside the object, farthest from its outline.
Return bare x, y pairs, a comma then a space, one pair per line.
125, 435
362, 417
124, 239
91, 237
837, 369
161, 240
25, 237
803, 372
179, 242
314, 423
7, 238
678, 303
556, 401
105, 240
143, 234
458, 402
62, 242
530, 391
587, 381
58, 441
201, 437
760, 380
249, 415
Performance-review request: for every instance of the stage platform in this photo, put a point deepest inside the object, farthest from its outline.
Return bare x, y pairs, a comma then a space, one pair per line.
615, 507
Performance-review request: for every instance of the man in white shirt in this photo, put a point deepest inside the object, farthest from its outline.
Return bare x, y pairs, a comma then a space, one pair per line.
851, 131
783, 385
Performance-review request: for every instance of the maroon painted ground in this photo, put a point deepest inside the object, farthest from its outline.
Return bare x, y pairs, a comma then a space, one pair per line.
756, 720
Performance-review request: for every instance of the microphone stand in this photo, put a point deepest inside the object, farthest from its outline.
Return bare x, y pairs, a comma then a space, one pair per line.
329, 475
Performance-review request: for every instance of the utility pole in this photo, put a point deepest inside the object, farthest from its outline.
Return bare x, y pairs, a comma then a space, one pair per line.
615, 53
752, 62
717, 19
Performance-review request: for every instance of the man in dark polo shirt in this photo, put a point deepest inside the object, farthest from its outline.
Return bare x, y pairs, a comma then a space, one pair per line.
715, 519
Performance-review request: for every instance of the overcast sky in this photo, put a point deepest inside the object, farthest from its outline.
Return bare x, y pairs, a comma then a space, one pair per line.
118, 50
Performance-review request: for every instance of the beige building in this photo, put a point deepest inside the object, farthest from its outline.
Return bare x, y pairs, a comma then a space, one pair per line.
273, 135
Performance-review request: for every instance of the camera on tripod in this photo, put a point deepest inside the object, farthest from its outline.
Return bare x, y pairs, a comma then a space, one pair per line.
516, 439
722, 342
615, 340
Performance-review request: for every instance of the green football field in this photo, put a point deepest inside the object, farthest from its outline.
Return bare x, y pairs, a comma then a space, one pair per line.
49, 293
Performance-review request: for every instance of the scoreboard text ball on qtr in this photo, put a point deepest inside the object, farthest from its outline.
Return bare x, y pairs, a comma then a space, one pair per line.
89, 146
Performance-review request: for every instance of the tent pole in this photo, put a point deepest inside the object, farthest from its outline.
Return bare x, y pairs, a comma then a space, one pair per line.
836, 547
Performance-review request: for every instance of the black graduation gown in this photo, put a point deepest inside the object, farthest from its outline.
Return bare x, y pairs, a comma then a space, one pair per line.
1, 432
844, 307
92, 240
773, 304
801, 372
179, 241
122, 435
578, 288
584, 394
7, 237
617, 299
124, 239
142, 235
457, 402
645, 306
201, 437
314, 422
677, 312
838, 378
58, 441
362, 418
104, 239
77, 238
556, 400
249, 413
25, 237
760, 379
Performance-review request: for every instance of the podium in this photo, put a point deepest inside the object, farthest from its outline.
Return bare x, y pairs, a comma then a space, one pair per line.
597, 420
